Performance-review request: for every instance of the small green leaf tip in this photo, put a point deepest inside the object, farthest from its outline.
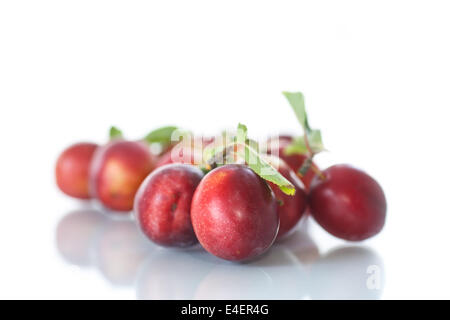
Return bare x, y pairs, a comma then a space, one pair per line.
115, 133
241, 134
266, 171
314, 137
298, 146
297, 102
259, 165
161, 135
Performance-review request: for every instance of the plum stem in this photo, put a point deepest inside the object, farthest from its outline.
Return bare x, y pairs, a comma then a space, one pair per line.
318, 172
308, 164
308, 146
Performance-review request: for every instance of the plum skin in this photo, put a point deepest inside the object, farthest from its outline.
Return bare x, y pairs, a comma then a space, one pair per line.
163, 205
117, 171
72, 169
234, 213
290, 208
348, 203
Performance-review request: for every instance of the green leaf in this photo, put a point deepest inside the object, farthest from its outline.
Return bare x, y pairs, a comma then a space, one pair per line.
242, 138
297, 102
262, 168
298, 146
241, 134
258, 164
315, 141
161, 135
252, 158
115, 133
253, 144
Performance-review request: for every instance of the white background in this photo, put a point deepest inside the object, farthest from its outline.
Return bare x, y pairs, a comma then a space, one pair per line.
376, 77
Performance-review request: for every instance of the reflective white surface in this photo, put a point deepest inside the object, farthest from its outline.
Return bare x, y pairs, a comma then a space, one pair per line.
77, 251
375, 75
292, 269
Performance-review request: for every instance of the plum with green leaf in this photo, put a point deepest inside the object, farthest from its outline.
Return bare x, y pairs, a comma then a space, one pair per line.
234, 211
345, 201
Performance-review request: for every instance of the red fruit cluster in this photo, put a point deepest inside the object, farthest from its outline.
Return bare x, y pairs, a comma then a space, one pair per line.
233, 210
